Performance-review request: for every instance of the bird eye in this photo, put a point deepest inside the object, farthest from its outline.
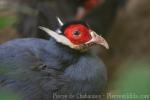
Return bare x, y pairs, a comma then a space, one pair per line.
76, 33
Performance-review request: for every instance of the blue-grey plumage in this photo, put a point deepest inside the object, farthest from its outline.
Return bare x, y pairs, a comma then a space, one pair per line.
37, 69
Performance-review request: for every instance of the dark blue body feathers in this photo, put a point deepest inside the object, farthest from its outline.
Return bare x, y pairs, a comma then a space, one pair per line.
38, 68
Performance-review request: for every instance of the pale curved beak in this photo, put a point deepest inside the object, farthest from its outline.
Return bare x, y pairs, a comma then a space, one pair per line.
97, 39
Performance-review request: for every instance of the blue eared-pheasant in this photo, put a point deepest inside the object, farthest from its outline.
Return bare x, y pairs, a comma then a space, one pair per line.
38, 69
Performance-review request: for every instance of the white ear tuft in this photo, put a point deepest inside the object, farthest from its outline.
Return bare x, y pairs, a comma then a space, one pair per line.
48, 31
59, 38
60, 22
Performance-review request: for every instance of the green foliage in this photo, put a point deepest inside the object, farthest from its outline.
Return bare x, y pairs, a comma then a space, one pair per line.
6, 21
7, 95
133, 81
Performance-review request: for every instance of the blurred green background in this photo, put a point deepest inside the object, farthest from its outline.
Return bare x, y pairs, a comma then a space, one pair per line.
8, 95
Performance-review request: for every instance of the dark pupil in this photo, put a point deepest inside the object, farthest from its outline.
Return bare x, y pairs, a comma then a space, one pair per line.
76, 33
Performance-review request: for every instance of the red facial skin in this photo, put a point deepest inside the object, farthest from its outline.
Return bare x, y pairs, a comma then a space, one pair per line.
82, 37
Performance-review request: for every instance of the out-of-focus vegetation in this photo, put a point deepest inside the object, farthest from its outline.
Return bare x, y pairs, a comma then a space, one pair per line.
132, 81
7, 95
6, 21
